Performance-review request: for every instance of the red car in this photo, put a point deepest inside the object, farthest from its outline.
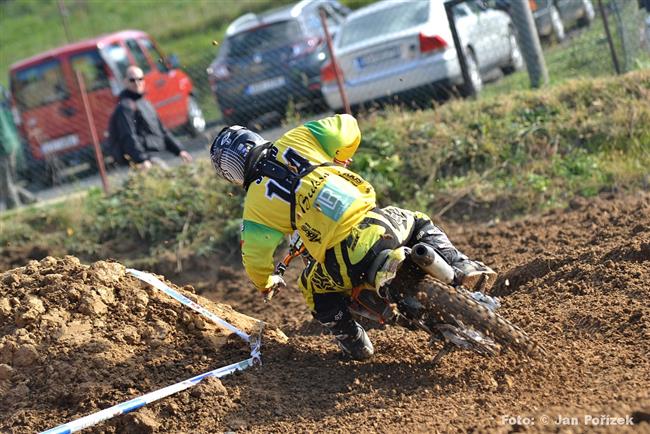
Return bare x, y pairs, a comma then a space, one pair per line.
50, 111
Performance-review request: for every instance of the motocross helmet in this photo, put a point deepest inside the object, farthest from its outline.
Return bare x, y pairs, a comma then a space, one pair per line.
231, 153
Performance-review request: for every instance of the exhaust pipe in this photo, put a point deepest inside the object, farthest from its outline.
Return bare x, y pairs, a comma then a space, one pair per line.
432, 263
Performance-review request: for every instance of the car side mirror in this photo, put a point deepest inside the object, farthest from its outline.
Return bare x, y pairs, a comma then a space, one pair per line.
173, 62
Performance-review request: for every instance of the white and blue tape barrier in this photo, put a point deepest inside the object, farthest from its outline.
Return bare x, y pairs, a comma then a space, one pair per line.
136, 403
156, 283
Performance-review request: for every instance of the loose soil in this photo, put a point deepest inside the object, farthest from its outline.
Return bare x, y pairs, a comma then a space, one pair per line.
77, 338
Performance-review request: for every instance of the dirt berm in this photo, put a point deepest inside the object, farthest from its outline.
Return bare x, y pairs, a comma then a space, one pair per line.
77, 338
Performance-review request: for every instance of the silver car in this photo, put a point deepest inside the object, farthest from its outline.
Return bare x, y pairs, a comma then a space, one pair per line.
397, 48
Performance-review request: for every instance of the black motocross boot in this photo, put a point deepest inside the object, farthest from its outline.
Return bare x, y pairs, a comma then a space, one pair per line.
350, 336
353, 340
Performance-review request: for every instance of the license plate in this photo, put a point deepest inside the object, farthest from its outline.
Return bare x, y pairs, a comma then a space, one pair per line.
60, 144
264, 85
379, 57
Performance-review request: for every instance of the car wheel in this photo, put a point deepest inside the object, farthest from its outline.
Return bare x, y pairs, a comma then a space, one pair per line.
588, 13
195, 119
476, 81
516, 58
558, 26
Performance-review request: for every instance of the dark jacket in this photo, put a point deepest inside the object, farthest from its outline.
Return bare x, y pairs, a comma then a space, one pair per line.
135, 130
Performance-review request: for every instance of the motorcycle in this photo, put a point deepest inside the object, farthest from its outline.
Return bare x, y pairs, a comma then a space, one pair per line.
421, 295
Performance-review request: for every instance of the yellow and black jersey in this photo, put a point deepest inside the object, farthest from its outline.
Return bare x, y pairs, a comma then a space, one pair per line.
330, 200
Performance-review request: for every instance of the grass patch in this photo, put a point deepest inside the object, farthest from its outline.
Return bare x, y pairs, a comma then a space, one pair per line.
468, 160
533, 147
166, 209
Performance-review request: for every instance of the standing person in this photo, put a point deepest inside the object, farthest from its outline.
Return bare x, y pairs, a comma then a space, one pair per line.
301, 182
11, 194
136, 133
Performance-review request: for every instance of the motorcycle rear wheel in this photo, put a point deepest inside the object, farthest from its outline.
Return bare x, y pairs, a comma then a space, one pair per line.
449, 305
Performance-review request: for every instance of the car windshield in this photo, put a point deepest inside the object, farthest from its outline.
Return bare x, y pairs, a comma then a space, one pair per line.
92, 67
116, 56
264, 38
39, 85
394, 18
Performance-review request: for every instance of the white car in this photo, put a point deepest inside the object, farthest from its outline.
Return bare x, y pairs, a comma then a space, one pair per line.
395, 48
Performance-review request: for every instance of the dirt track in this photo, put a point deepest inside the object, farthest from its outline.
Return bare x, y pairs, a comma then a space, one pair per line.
76, 339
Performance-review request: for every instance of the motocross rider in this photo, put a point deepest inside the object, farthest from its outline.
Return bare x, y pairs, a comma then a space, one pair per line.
301, 182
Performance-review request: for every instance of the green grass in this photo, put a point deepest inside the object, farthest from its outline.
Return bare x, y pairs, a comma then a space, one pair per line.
181, 26
531, 150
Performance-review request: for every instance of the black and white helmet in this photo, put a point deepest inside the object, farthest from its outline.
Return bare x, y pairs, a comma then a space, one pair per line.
231, 150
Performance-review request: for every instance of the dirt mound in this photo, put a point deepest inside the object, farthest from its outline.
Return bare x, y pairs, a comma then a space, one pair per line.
78, 338
575, 279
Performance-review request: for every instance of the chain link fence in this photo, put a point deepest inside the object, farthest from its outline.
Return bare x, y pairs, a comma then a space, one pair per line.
630, 33
615, 43
274, 69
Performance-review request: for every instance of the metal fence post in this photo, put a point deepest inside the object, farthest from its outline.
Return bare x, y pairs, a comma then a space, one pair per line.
457, 44
335, 64
522, 18
99, 156
610, 42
